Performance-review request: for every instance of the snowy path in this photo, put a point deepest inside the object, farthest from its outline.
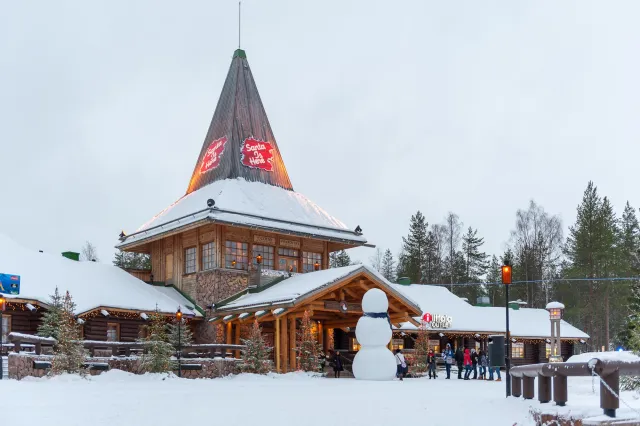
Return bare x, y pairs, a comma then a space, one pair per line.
118, 398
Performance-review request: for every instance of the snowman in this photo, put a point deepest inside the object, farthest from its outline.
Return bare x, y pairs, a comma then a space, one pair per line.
374, 361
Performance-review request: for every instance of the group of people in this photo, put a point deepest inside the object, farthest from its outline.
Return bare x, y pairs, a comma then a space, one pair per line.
468, 361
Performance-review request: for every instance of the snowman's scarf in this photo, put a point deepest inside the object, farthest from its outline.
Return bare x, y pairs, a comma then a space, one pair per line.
378, 315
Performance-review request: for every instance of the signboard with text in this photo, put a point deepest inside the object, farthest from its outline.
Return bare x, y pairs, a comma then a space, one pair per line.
257, 154
10, 284
212, 156
437, 320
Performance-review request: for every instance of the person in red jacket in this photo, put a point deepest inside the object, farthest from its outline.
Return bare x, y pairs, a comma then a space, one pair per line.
467, 364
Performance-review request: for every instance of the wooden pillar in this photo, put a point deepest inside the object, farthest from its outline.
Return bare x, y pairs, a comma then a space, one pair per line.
284, 344
292, 344
276, 342
320, 334
236, 353
229, 340
325, 340
516, 386
560, 390
528, 384
608, 401
544, 389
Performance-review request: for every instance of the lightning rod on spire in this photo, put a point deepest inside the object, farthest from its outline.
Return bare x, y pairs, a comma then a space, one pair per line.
239, 22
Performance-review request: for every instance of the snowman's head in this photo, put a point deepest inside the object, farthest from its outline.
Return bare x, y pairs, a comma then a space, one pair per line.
375, 300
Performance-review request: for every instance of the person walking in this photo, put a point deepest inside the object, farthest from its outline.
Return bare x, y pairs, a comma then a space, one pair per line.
474, 363
459, 361
483, 366
401, 364
337, 365
431, 364
467, 364
448, 355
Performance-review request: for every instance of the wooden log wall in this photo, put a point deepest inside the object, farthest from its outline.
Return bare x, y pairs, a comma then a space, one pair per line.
95, 328
24, 321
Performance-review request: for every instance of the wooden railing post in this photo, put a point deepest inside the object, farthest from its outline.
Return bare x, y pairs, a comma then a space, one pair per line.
544, 388
608, 401
528, 385
560, 390
516, 386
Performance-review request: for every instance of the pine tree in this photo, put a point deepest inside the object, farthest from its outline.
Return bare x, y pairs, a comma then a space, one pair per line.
388, 266
421, 350
68, 353
339, 259
476, 264
179, 336
126, 260
494, 275
308, 349
52, 317
256, 353
158, 351
414, 247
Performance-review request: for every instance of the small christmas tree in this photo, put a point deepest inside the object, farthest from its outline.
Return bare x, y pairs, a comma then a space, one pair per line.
181, 334
51, 318
256, 354
421, 350
308, 349
157, 357
69, 353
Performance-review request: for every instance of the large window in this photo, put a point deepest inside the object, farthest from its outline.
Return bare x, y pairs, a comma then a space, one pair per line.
517, 350
435, 345
208, 256
267, 253
309, 259
288, 259
236, 255
190, 260
113, 332
547, 350
6, 328
397, 344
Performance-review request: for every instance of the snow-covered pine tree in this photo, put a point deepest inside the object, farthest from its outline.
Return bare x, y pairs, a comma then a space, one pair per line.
388, 269
158, 351
414, 247
255, 356
308, 349
421, 350
338, 259
51, 318
68, 353
183, 332
476, 264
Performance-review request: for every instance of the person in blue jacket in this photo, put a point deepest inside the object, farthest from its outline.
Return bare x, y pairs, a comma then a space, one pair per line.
447, 355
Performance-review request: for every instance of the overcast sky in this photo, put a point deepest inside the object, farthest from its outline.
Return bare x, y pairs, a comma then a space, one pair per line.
379, 109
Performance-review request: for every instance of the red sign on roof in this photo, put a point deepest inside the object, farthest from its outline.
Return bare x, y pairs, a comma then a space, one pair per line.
427, 317
257, 154
211, 158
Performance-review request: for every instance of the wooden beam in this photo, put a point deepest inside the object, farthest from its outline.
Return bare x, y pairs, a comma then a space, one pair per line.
237, 339
276, 340
352, 294
229, 331
363, 286
292, 344
320, 334
284, 343
413, 321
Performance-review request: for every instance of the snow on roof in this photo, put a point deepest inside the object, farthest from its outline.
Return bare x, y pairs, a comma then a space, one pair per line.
554, 305
91, 284
291, 289
625, 356
254, 204
524, 322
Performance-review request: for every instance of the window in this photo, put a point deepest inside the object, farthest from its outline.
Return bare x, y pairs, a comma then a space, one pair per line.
6, 328
113, 332
287, 252
355, 345
435, 345
288, 260
309, 259
190, 260
517, 350
208, 256
397, 344
267, 254
236, 255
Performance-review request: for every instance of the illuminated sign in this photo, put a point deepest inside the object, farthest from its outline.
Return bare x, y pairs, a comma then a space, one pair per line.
257, 154
212, 156
437, 320
9, 284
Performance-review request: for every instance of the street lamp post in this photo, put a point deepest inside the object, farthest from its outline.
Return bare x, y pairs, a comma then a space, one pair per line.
556, 310
3, 304
179, 318
506, 281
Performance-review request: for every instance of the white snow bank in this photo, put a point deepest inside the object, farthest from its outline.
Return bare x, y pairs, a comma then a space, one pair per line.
91, 284
554, 305
625, 356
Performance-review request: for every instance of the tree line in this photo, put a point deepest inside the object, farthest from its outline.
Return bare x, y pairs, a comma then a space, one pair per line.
593, 270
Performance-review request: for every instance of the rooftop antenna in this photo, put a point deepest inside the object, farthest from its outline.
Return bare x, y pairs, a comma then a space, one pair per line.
239, 9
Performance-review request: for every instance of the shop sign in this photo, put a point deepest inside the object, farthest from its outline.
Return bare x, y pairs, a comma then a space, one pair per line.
9, 284
261, 239
437, 320
290, 243
212, 156
257, 154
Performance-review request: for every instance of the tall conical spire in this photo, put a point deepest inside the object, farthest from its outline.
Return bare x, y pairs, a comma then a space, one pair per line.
239, 142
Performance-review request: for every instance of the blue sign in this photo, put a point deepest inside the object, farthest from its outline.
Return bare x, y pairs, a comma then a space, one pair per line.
9, 284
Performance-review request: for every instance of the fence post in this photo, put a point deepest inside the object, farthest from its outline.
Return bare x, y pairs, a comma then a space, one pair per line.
560, 390
608, 402
544, 388
516, 386
528, 384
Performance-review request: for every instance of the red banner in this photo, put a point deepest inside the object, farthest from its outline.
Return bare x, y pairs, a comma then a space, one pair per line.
211, 158
257, 154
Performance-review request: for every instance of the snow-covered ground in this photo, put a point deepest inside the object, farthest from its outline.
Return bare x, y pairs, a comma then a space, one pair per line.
119, 398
